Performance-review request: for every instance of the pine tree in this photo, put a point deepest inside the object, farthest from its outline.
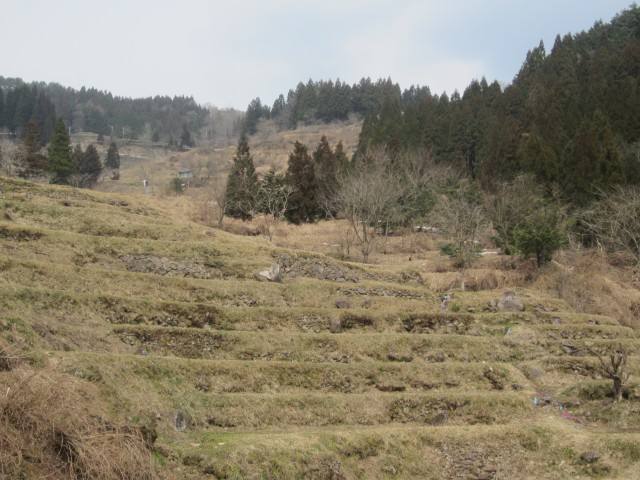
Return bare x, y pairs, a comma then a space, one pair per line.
278, 106
540, 235
61, 164
33, 162
91, 167
537, 157
342, 161
113, 157
592, 160
303, 203
44, 114
185, 138
255, 111
242, 184
77, 156
326, 169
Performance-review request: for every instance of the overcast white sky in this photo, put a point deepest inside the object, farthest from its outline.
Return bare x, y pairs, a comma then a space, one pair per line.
229, 52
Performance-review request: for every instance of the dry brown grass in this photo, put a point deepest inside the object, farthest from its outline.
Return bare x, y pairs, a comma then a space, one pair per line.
51, 427
264, 358
271, 147
10, 356
589, 283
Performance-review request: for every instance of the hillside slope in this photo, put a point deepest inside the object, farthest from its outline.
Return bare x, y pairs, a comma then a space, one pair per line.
340, 371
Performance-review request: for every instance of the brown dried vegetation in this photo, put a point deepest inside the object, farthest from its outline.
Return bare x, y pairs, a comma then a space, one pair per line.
51, 427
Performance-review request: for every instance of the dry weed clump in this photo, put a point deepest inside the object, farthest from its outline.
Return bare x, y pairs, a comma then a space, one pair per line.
51, 427
589, 283
10, 356
485, 280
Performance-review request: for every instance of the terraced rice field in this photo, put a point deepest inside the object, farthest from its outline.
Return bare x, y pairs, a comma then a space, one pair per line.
307, 378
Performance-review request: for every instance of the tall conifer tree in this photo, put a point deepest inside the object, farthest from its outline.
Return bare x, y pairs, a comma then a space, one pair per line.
77, 156
303, 203
90, 165
33, 162
59, 154
242, 184
113, 157
326, 169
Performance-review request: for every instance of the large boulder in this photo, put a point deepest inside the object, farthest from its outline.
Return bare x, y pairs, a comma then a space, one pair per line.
273, 274
179, 421
343, 303
335, 326
509, 302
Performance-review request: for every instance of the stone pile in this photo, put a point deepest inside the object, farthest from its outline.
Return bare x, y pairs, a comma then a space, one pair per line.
164, 266
383, 292
322, 269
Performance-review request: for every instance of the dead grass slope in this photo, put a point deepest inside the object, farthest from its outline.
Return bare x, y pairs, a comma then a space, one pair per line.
129, 319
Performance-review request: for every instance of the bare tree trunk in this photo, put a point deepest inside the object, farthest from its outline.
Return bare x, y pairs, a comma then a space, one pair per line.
617, 389
616, 370
365, 241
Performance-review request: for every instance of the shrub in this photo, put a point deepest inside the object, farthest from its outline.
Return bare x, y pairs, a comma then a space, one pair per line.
50, 426
540, 236
176, 185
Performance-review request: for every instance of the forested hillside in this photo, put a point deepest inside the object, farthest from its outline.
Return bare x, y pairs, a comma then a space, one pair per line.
158, 118
325, 101
570, 116
20, 104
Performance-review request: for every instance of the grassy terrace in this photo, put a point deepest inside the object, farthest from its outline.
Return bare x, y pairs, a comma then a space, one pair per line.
160, 322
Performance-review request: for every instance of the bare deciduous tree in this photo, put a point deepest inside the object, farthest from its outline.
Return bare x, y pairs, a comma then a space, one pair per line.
215, 181
461, 222
11, 158
272, 201
616, 370
615, 220
80, 180
368, 198
422, 177
511, 205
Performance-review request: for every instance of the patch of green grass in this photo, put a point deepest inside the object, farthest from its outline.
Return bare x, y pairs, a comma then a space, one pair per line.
6, 264
21, 327
536, 439
566, 453
159, 460
629, 450
361, 447
590, 390
90, 373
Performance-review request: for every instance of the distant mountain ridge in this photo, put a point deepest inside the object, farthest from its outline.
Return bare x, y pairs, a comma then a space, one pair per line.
160, 118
